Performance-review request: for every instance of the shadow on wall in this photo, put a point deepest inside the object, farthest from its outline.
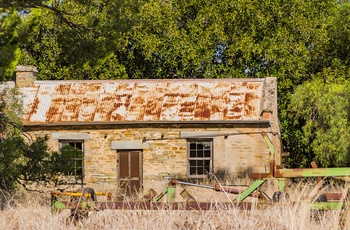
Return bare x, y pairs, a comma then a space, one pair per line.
224, 174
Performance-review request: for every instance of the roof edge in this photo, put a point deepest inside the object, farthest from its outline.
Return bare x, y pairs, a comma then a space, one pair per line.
151, 80
142, 122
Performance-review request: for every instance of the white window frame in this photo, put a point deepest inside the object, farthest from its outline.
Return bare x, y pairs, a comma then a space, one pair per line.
195, 156
77, 177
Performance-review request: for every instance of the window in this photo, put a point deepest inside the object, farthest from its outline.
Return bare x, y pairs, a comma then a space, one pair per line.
199, 158
72, 153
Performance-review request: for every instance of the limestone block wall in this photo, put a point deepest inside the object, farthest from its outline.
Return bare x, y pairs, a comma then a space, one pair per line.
240, 155
166, 154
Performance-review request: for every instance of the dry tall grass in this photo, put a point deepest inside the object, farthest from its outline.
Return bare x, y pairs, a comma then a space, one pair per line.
32, 211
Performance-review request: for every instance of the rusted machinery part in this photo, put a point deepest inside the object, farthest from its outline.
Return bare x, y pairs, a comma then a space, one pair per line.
324, 197
83, 192
280, 196
330, 196
321, 198
89, 191
187, 196
136, 205
219, 188
173, 182
195, 185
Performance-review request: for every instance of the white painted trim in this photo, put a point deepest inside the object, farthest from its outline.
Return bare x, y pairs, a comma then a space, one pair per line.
129, 145
198, 134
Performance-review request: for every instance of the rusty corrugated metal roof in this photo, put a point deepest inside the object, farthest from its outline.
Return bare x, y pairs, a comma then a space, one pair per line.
143, 100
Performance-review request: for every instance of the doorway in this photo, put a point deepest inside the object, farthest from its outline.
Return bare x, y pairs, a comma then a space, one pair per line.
129, 167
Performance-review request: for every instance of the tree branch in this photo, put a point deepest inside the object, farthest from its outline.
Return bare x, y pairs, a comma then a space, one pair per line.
24, 4
61, 14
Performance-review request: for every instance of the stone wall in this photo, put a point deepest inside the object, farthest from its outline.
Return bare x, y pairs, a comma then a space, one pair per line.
163, 158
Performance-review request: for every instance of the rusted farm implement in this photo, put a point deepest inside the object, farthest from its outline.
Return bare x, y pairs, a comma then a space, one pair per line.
87, 200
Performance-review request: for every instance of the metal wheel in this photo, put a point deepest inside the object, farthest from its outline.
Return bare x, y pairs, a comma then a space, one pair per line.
280, 196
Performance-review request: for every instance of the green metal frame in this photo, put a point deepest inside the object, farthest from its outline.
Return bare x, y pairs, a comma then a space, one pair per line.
312, 172
331, 205
171, 194
281, 174
250, 189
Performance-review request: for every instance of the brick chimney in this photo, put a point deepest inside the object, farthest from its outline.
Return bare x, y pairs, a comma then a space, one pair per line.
269, 111
25, 75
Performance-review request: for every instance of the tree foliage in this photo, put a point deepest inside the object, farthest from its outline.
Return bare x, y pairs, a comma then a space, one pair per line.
231, 39
87, 51
177, 39
324, 109
9, 47
302, 43
23, 160
318, 114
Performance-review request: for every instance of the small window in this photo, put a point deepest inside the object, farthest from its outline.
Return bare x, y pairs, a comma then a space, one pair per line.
72, 160
199, 158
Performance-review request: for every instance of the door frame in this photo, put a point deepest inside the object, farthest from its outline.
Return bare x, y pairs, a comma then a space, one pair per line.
140, 152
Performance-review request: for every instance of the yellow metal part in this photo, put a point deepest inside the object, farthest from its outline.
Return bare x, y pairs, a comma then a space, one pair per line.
80, 194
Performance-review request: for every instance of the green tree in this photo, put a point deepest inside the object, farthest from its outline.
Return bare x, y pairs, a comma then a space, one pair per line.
23, 160
9, 47
322, 109
25, 6
319, 112
196, 39
9, 135
88, 51
178, 39
16, 21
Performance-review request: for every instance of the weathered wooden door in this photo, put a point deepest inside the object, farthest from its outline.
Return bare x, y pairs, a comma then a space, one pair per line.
129, 165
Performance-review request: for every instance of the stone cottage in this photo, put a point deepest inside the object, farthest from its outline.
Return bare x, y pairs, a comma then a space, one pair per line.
134, 132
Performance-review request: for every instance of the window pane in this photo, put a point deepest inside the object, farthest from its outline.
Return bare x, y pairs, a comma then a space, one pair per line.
193, 153
78, 168
200, 153
193, 146
79, 155
193, 163
206, 145
200, 171
206, 170
193, 171
79, 145
200, 145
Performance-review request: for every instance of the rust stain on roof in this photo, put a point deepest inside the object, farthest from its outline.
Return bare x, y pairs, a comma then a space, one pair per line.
63, 89
144, 100
34, 108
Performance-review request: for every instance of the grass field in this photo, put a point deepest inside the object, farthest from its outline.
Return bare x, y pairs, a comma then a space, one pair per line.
31, 210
